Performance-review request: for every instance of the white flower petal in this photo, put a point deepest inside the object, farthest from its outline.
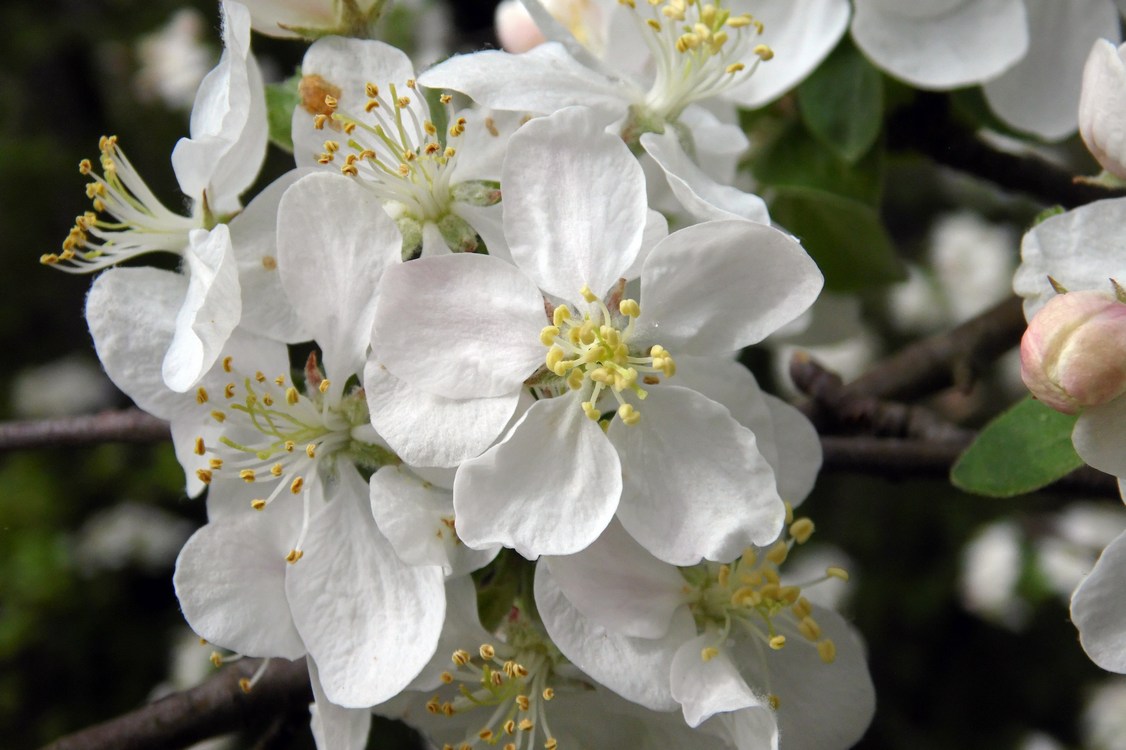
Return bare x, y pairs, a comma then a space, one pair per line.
703, 197
941, 45
1100, 435
461, 626
618, 585
801, 33
417, 518
1040, 94
716, 287
369, 620
429, 430
574, 203
1081, 249
549, 488
230, 580
266, 309
799, 451
707, 687
1098, 609
336, 300
540, 81
695, 485
336, 728
821, 706
1102, 107
460, 326
211, 309
635, 668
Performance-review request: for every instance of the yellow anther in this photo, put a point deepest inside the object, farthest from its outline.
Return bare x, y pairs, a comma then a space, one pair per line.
245, 684
628, 414
510, 727
267, 399
802, 608
204, 475
330, 101
229, 390
723, 575
216, 658
547, 336
551, 744
258, 504
764, 53
554, 360
487, 652
260, 376
293, 556
548, 693
654, 24
777, 554
738, 22
246, 475
789, 594
575, 379
371, 89
289, 446
200, 448
809, 628
496, 679
734, 68
201, 395
291, 395
227, 363
311, 450
708, 653
789, 512
276, 470
525, 725
324, 386
461, 657
445, 98
215, 463
629, 307
319, 121
522, 703
778, 642
835, 572
296, 485
279, 381
446, 678
801, 530
746, 596
827, 650
774, 701
590, 411
560, 314
587, 294
331, 147
403, 102
434, 706
485, 734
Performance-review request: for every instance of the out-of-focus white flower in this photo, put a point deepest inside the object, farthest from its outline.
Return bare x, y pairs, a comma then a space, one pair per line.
312, 19
973, 262
173, 60
1103, 723
65, 387
130, 533
991, 567
1102, 106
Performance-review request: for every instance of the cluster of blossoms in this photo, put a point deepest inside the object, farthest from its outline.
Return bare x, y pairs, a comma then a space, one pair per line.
510, 367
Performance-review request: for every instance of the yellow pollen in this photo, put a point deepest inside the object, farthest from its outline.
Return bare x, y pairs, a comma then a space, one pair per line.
801, 530
246, 475
629, 307
267, 399
628, 414
591, 412
276, 470
774, 701
245, 684
311, 450
446, 678
289, 446
293, 556
587, 294
201, 395
258, 504
778, 642
227, 363
802, 608
510, 727
551, 744
809, 628
778, 553
486, 651
709, 653
835, 572
764, 53
522, 703
324, 386
296, 485
461, 657
291, 395
216, 463
548, 693
827, 650
204, 475
200, 448
229, 390
734, 68
216, 658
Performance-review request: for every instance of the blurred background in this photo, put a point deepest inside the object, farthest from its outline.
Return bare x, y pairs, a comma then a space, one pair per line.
962, 600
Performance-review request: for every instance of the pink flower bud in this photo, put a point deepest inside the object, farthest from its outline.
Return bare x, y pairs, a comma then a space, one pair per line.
1102, 106
516, 30
1073, 354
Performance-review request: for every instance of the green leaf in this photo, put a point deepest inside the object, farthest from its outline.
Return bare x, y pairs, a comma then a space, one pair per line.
281, 99
1024, 449
843, 235
842, 103
794, 158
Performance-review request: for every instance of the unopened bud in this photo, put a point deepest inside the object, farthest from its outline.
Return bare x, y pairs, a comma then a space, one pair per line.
515, 29
459, 236
411, 230
1073, 354
477, 192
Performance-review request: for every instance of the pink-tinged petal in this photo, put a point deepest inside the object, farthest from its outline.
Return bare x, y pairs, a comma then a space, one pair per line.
1098, 609
541, 81
325, 217
618, 585
801, 32
211, 309
1080, 249
369, 620
417, 518
428, 430
1102, 107
703, 197
344, 67
230, 580
695, 485
574, 203
941, 45
1100, 435
1040, 94
266, 308
821, 706
336, 728
705, 687
635, 668
549, 488
459, 326
713, 288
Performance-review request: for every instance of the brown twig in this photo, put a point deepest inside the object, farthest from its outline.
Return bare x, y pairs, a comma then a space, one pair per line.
125, 426
927, 126
218, 706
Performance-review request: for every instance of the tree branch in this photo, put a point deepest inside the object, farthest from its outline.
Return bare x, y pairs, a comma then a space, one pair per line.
218, 706
927, 126
125, 426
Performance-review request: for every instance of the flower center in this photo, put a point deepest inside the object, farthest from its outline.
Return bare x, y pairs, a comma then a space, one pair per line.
593, 355
699, 49
275, 436
397, 149
514, 679
748, 594
127, 220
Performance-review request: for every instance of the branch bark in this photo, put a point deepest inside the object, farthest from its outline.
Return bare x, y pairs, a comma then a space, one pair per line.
125, 426
218, 706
